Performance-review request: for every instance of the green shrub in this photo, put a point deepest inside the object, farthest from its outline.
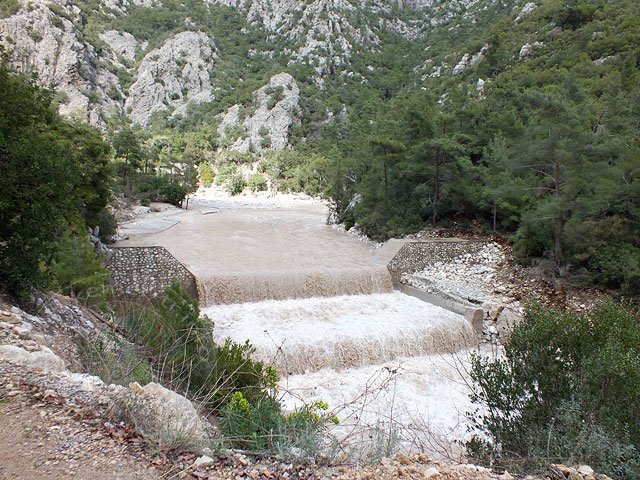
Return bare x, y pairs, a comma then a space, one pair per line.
174, 193
78, 271
206, 174
236, 184
113, 360
566, 390
8, 8
107, 225
618, 266
261, 425
181, 345
257, 183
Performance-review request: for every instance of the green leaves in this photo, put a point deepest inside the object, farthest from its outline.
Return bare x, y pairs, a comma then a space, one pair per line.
567, 386
54, 173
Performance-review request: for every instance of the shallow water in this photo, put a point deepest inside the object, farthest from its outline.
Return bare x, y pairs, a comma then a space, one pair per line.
251, 254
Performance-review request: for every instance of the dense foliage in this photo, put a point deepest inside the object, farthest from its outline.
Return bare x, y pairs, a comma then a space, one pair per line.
566, 390
54, 173
545, 150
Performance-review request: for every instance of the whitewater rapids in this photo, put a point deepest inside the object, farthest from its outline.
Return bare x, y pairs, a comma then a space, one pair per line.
310, 334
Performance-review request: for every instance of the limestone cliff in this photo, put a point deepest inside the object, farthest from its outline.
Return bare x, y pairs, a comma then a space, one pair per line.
173, 76
266, 125
42, 38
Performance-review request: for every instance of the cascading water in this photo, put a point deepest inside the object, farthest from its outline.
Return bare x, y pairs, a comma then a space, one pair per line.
310, 334
314, 302
281, 285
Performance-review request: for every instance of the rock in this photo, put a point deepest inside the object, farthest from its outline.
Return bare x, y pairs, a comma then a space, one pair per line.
585, 470
430, 472
527, 49
469, 60
23, 330
44, 360
267, 127
83, 381
526, 10
163, 416
203, 462
121, 43
175, 75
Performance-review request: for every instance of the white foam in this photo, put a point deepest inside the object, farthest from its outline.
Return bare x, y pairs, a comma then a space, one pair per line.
423, 400
340, 332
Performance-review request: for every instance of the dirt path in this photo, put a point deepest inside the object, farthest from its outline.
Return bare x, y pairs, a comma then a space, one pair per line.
38, 441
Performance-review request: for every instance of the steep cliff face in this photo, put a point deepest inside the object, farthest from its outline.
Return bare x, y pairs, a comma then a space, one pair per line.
98, 56
173, 77
43, 39
266, 126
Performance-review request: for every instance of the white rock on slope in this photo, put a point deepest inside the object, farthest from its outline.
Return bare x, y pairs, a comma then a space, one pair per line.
159, 412
526, 10
44, 360
121, 43
277, 109
173, 76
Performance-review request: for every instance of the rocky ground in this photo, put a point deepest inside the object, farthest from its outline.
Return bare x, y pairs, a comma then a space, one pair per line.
492, 280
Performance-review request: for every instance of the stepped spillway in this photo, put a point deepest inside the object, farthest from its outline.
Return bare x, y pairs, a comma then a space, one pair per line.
315, 302
310, 334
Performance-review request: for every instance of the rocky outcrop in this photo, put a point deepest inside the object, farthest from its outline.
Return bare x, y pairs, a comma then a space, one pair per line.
324, 30
162, 415
44, 359
43, 39
277, 108
527, 50
174, 76
526, 10
121, 43
468, 60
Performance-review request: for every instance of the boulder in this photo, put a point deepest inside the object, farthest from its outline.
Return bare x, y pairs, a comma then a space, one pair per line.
44, 360
163, 417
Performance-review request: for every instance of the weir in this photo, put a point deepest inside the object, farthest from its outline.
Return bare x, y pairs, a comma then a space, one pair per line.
291, 284
311, 334
320, 306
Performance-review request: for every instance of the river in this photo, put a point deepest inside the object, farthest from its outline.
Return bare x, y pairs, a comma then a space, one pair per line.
319, 304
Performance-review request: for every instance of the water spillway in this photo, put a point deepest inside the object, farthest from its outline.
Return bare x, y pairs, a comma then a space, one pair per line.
233, 288
314, 302
249, 255
306, 335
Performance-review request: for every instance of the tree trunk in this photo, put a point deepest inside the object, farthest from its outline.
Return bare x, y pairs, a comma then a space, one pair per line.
436, 191
557, 247
495, 216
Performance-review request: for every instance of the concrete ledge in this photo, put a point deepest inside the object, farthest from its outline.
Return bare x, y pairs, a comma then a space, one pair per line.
472, 313
410, 256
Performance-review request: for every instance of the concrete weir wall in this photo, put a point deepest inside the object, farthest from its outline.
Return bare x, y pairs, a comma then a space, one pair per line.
410, 256
146, 272
414, 255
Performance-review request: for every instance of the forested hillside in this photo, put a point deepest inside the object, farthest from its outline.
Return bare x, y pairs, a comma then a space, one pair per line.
515, 117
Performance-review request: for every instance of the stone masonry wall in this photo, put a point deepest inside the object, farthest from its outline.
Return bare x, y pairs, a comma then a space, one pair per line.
414, 256
146, 272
